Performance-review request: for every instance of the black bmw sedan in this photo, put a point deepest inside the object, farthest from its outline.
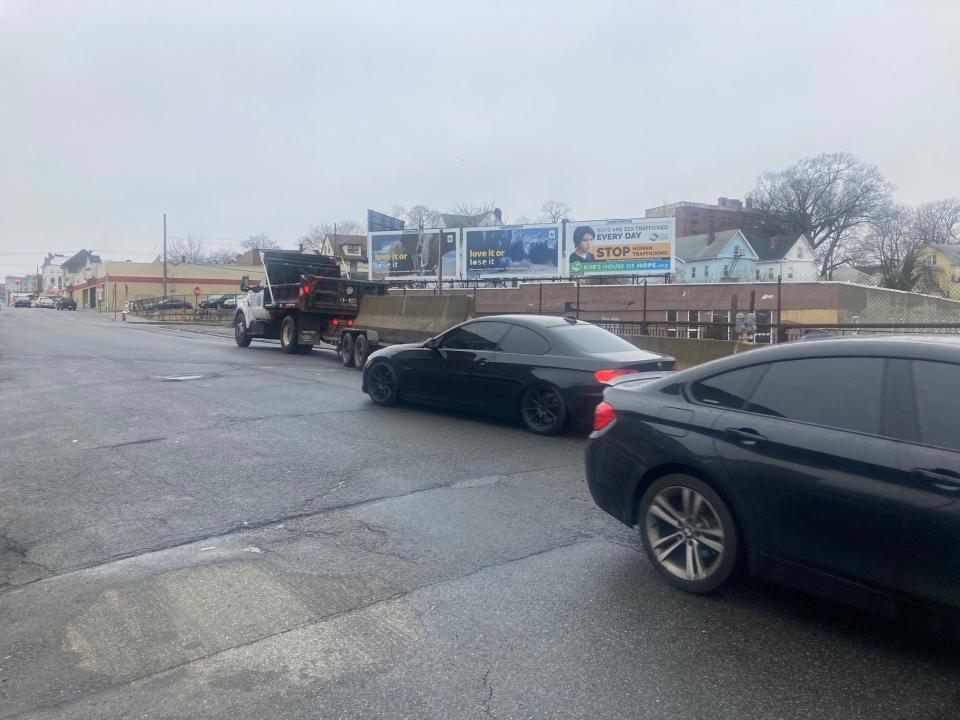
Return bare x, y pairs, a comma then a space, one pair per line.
831, 466
544, 370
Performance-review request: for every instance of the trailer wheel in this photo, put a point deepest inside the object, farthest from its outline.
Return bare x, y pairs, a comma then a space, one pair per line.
346, 350
360, 352
288, 335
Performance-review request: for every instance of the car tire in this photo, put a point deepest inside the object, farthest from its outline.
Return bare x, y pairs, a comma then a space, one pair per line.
346, 350
382, 383
288, 335
360, 351
240, 333
688, 533
543, 410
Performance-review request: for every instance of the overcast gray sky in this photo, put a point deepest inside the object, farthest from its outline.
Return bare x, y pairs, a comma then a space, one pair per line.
241, 117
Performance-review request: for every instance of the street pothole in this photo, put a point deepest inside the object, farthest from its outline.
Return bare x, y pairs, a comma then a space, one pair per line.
230, 622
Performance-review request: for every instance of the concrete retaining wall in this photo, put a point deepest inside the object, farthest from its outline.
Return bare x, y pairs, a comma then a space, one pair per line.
410, 318
689, 352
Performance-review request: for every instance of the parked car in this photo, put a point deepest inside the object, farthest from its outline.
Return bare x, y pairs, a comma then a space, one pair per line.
66, 303
832, 466
215, 301
169, 304
545, 371
46, 302
21, 302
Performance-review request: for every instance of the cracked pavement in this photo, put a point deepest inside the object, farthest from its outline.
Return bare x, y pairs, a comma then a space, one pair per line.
263, 542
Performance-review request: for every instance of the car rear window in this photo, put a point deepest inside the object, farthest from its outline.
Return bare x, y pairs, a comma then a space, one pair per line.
592, 339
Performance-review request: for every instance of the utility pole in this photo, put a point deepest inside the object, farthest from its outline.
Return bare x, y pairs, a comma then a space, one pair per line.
164, 255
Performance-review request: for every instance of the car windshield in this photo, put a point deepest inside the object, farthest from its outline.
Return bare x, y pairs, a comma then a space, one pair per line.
592, 339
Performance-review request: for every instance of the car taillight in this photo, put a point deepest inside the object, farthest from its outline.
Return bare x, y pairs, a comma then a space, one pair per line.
336, 321
675, 367
349, 323
603, 416
605, 376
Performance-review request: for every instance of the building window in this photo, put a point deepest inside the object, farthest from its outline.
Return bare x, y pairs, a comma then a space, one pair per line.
770, 273
671, 318
706, 271
720, 333
790, 273
726, 271
758, 273
737, 251
693, 272
931, 260
692, 330
799, 253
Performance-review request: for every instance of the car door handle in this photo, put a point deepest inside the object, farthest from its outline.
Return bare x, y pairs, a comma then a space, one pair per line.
744, 436
943, 479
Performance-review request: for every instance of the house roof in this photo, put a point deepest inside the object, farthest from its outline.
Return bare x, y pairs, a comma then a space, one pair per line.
696, 247
951, 251
80, 259
339, 240
771, 247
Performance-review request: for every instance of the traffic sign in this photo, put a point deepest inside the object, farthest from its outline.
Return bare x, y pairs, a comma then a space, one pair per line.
196, 292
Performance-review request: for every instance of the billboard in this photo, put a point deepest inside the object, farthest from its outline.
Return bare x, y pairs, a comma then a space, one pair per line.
512, 251
412, 254
620, 247
378, 221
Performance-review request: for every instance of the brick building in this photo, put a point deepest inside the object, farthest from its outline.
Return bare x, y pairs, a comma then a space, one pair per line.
701, 218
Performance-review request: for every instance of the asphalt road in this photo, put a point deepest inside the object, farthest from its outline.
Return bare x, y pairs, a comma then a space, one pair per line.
255, 539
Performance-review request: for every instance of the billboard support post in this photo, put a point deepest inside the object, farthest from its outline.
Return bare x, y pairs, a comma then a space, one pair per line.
643, 325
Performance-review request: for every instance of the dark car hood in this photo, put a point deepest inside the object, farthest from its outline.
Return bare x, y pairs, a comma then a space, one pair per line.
394, 349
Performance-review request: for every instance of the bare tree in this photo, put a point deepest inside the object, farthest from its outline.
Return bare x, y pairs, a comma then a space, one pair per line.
421, 216
225, 256
258, 242
938, 222
188, 249
313, 239
478, 215
351, 227
829, 198
890, 241
555, 211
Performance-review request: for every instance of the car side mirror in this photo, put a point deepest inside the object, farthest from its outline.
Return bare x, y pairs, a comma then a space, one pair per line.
245, 283
431, 344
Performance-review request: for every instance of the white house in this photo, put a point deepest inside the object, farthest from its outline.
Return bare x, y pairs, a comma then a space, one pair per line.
52, 272
790, 257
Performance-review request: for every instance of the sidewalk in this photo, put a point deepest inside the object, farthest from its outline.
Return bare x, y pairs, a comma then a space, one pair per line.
203, 328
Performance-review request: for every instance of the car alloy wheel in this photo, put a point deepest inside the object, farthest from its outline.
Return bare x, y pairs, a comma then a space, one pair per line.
382, 384
688, 533
543, 410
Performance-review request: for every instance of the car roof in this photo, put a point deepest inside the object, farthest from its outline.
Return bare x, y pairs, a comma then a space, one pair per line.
932, 347
541, 321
